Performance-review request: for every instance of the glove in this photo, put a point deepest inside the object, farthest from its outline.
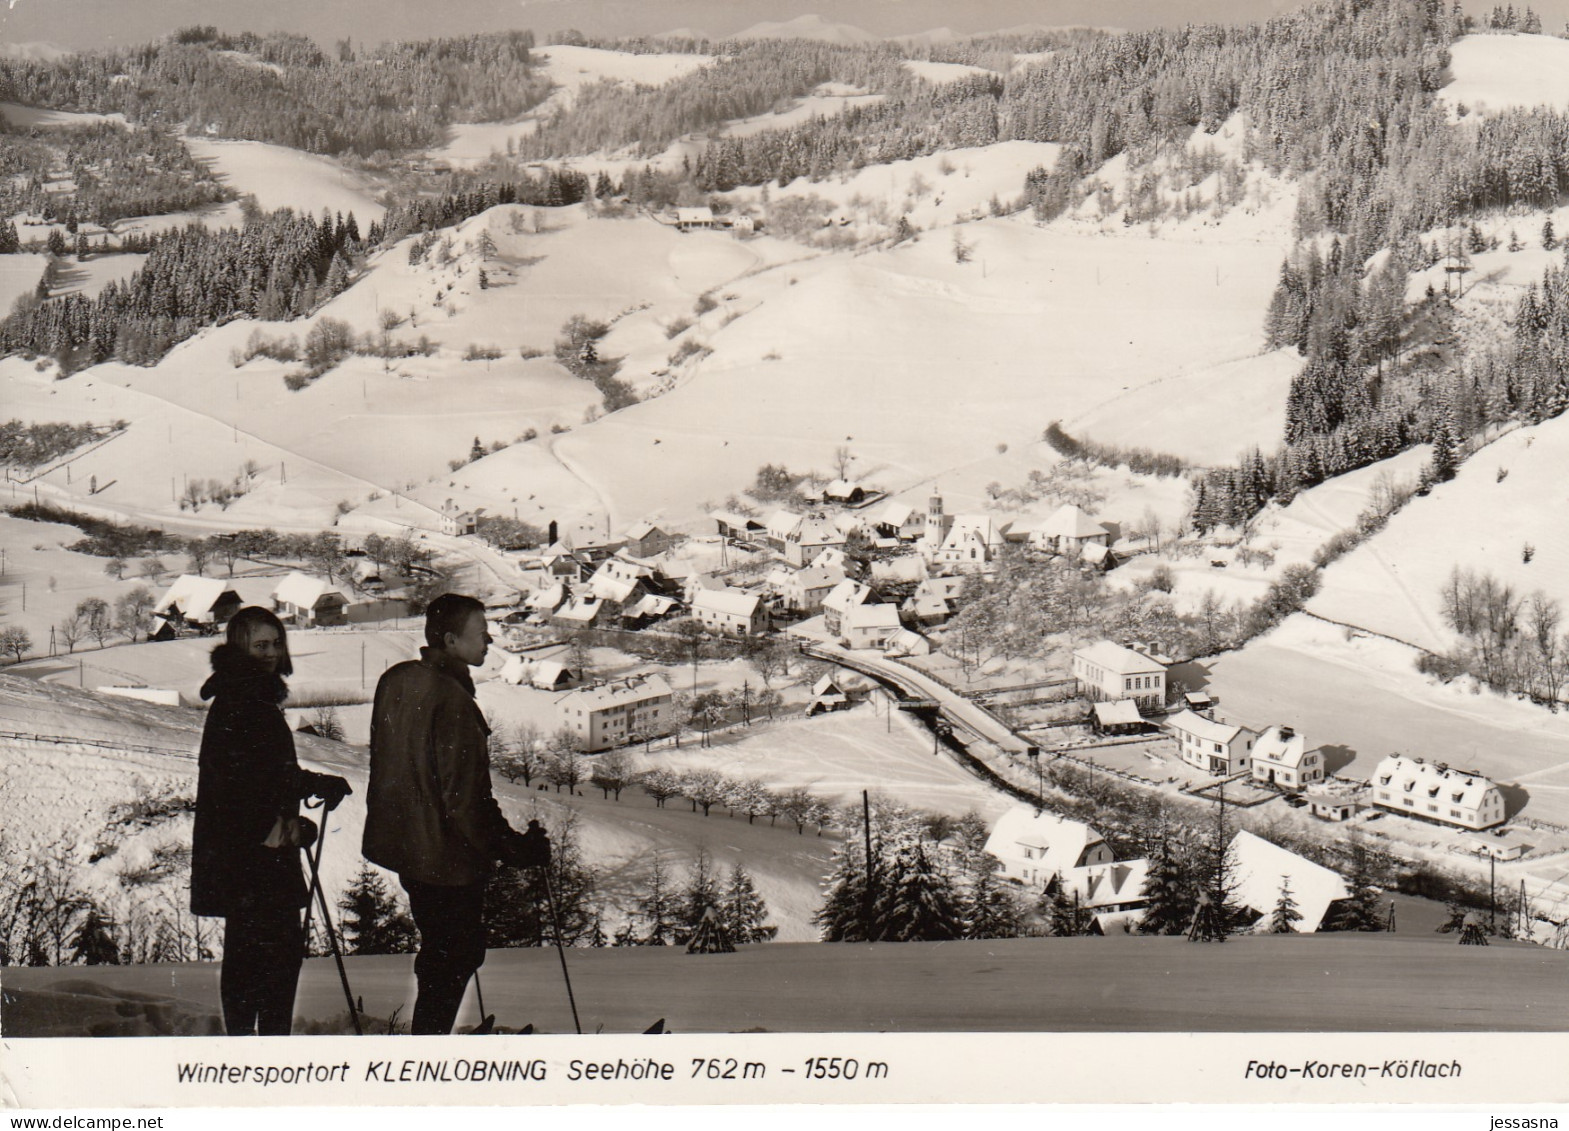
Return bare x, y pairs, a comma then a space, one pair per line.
530, 849
332, 791
291, 832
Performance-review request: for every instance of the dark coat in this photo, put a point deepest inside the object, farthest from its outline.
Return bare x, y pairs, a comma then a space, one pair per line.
247, 778
430, 815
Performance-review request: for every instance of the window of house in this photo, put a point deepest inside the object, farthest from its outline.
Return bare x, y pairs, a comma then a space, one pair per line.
1454, 812
1384, 780
1218, 748
1409, 802
1432, 808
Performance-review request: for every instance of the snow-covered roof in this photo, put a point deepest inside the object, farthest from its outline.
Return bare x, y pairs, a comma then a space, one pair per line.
872, 616
1203, 729
1094, 553
1119, 660
846, 594
640, 530
840, 489
907, 643
582, 610
195, 596
826, 685
612, 588
303, 591
1069, 521
1460, 787
782, 524
818, 531
703, 215
1258, 870
1280, 746
982, 528
1104, 885
735, 521
896, 514
547, 674
907, 567
731, 602
1056, 842
1120, 712
652, 605
815, 577
547, 599
620, 693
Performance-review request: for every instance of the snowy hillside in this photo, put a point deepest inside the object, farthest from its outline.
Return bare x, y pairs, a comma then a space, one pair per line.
1494, 73
286, 178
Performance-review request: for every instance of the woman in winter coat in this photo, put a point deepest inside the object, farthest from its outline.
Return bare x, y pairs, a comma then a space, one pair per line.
245, 847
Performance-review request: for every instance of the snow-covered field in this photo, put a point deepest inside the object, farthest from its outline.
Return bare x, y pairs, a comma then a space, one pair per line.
829, 100
279, 177
1494, 73
940, 73
1475, 522
33, 117
19, 275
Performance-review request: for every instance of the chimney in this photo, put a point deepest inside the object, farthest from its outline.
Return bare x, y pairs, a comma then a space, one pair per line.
1286, 734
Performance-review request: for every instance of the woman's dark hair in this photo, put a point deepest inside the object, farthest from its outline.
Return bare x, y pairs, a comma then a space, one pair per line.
247, 621
449, 613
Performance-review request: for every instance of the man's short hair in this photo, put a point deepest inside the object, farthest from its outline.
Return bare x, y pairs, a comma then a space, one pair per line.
448, 613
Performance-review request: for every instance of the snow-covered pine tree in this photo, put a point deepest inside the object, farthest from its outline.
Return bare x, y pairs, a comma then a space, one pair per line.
93, 943
742, 911
845, 915
372, 921
1359, 911
1168, 908
918, 902
1283, 919
699, 895
657, 907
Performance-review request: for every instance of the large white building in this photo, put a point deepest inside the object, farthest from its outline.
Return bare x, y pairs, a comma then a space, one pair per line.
1433, 791
729, 610
613, 714
1109, 671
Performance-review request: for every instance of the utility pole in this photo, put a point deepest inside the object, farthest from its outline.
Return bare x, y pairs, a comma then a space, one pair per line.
871, 873
362, 665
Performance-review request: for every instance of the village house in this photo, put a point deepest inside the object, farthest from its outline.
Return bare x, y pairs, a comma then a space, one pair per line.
779, 528
1334, 807
803, 590
650, 608
613, 714
840, 599
548, 599
732, 611
1106, 670
689, 219
1433, 791
1281, 757
1068, 531
699, 582
308, 602
869, 626
843, 492
899, 520
812, 537
645, 540
457, 521
1211, 745
907, 643
1112, 892
934, 601
1034, 845
1118, 716
1259, 869
827, 695
192, 601
589, 542
582, 611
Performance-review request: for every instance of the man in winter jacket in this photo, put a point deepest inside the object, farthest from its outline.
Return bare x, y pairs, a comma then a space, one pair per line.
430, 814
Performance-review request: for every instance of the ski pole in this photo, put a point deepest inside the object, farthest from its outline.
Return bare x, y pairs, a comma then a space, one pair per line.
326, 919
561, 951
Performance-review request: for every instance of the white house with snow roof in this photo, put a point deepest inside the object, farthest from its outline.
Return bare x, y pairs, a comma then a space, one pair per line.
780, 526
843, 491
934, 600
1434, 791
732, 611
308, 601
729, 524
204, 602
869, 625
613, 714
1212, 745
840, 600
1281, 757
812, 536
1259, 869
645, 540
1034, 845
1111, 891
1068, 530
900, 520
1106, 670
803, 590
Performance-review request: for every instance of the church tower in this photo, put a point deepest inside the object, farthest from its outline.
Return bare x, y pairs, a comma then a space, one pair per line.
936, 523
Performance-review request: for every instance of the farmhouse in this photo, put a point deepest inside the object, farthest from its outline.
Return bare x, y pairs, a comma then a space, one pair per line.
456, 521
1281, 757
803, 590
844, 492
199, 602
1034, 846
899, 520
613, 714
1068, 531
811, 537
309, 601
1110, 671
730, 610
1113, 892
686, 219
1432, 791
781, 526
827, 695
1261, 868
1211, 745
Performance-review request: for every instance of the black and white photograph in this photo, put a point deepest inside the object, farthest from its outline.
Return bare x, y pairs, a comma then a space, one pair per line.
746, 518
